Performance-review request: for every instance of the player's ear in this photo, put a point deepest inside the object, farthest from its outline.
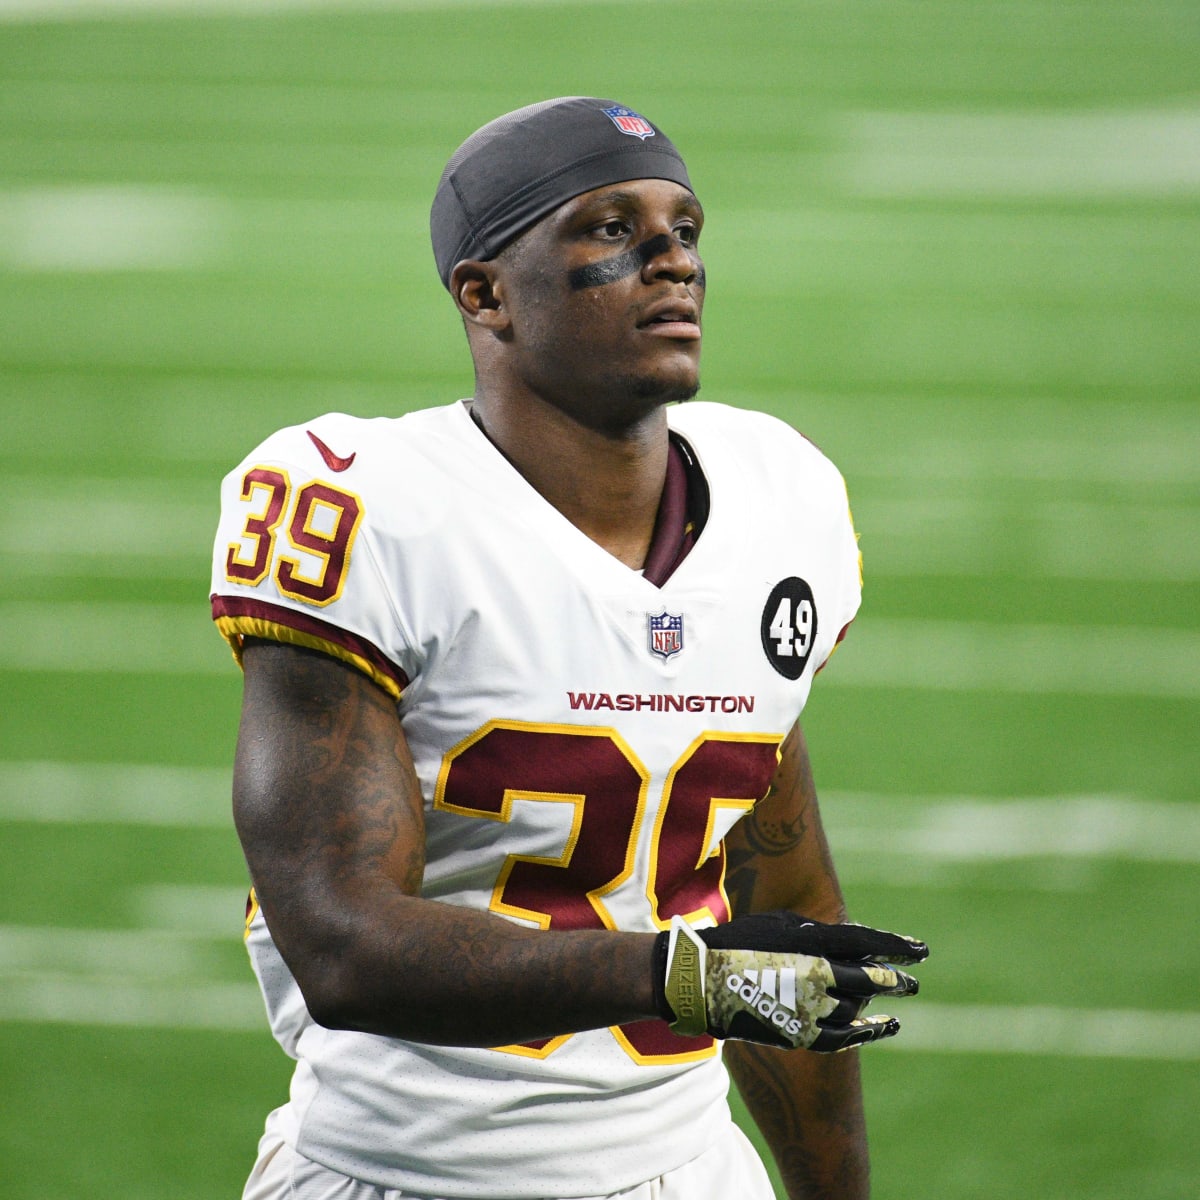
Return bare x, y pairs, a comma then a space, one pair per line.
479, 293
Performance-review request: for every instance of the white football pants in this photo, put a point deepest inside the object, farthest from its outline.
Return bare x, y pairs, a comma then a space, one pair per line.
729, 1170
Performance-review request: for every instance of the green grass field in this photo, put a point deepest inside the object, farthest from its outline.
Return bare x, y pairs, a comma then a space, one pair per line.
955, 243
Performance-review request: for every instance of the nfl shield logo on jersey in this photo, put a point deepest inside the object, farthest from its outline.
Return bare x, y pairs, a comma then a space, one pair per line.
627, 121
665, 634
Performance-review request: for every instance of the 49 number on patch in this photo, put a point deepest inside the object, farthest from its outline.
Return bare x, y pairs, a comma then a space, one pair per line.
789, 626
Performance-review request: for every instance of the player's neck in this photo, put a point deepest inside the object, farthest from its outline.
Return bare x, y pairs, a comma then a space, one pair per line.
607, 485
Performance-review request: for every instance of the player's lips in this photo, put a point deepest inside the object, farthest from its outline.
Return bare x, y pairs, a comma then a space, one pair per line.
674, 318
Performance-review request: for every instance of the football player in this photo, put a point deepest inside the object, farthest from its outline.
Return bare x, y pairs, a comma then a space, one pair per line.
520, 782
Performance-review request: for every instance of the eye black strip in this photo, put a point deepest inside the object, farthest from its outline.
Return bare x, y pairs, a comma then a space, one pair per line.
620, 266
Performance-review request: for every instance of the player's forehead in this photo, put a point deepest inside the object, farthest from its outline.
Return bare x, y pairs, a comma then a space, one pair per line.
630, 196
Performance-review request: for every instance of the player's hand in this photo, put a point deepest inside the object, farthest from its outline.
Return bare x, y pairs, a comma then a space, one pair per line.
782, 980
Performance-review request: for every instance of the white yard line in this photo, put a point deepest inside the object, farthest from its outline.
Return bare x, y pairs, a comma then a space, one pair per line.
926, 533
933, 828
103, 999
1165, 451
921, 655
115, 227
115, 793
973, 656
1043, 1030
158, 975
978, 829
82, 526
816, 225
126, 977
75, 10
83, 518
85, 526
198, 910
1105, 153
918, 448
128, 954
152, 639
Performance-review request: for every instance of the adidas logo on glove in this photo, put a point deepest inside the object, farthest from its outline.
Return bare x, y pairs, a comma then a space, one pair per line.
773, 997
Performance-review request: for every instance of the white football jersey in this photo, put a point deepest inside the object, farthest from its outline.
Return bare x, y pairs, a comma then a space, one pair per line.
584, 741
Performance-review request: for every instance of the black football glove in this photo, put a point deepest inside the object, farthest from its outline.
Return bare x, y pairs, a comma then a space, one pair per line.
782, 980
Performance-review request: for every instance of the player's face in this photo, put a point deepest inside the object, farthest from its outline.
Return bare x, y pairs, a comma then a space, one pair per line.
605, 298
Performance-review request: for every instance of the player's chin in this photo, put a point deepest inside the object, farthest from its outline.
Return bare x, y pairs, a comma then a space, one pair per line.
633, 399
666, 382
665, 391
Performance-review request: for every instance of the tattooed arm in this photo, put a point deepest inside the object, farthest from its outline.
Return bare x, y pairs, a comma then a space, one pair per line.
808, 1106
329, 812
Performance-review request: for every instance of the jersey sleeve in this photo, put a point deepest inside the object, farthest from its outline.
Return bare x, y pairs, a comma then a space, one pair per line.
821, 495
848, 565
294, 560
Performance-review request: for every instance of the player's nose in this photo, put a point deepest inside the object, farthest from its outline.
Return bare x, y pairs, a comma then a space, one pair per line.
666, 257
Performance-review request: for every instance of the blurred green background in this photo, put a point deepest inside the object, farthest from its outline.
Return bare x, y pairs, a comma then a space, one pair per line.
955, 243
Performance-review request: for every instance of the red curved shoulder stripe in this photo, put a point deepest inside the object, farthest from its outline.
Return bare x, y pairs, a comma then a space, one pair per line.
243, 616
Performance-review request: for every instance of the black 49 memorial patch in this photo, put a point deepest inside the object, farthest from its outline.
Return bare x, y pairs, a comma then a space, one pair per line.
789, 626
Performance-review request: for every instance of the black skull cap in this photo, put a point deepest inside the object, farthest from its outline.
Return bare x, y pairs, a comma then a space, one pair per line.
509, 174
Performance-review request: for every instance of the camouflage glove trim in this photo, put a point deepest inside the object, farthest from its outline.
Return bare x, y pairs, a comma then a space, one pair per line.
778, 996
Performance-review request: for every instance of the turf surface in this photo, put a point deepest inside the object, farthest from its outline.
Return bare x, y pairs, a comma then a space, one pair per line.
954, 243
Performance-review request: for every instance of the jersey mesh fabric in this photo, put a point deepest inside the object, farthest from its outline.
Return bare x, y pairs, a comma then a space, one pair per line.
546, 721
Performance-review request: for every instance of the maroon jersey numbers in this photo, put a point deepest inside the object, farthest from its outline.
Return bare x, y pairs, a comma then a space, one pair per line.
594, 771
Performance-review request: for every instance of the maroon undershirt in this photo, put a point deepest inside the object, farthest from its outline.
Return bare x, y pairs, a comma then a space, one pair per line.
679, 519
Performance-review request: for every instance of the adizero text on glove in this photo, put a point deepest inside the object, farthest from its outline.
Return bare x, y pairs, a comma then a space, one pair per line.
782, 980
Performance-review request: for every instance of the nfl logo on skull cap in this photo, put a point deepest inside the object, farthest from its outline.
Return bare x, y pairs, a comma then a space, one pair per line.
627, 121
665, 634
